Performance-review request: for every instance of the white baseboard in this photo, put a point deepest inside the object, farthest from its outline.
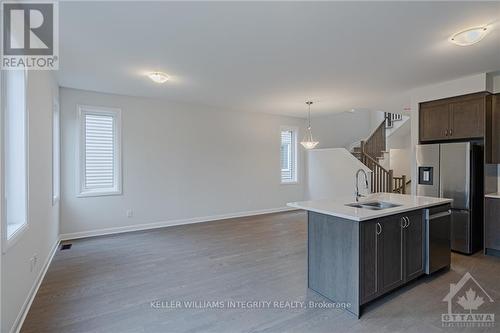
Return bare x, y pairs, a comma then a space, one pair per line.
18, 324
163, 224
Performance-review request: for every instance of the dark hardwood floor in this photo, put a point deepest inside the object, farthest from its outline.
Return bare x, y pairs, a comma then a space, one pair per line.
108, 284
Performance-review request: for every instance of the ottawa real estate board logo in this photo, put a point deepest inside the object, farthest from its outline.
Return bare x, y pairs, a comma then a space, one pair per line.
468, 305
30, 35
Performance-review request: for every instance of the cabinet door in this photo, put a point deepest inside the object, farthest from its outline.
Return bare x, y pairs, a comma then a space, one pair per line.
434, 121
414, 245
368, 267
492, 224
494, 132
467, 118
390, 253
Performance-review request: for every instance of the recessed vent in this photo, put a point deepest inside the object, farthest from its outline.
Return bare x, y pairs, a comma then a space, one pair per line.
66, 246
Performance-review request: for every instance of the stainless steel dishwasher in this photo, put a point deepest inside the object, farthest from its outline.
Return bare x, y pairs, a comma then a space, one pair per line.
437, 238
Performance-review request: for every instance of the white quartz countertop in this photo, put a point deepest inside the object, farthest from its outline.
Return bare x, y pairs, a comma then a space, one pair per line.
338, 207
493, 195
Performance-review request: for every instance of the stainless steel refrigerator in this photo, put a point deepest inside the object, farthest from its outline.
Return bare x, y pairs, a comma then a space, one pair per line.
455, 171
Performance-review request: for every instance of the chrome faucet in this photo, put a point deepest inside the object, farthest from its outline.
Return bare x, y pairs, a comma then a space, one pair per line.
357, 183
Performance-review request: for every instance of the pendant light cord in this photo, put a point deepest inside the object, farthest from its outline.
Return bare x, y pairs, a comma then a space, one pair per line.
309, 114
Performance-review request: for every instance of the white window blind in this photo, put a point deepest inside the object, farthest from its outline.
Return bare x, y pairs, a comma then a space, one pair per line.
100, 152
288, 158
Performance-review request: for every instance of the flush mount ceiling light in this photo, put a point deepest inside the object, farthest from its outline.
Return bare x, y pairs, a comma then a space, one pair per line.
308, 141
158, 77
469, 36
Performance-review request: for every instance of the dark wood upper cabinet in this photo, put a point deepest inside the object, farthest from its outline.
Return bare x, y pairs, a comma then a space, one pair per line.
467, 118
454, 118
493, 131
434, 121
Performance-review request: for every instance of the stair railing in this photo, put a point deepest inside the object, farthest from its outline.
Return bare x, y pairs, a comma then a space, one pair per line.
390, 118
374, 146
400, 184
381, 179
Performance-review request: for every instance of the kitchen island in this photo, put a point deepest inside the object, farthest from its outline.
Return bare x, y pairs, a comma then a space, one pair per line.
359, 251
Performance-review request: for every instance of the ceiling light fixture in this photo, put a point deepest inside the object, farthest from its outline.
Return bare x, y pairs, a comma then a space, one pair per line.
469, 36
158, 77
308, 141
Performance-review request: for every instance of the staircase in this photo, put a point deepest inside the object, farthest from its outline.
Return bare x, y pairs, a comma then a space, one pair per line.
372, 152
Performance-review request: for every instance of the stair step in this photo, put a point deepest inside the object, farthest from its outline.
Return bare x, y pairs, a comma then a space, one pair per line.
356, 149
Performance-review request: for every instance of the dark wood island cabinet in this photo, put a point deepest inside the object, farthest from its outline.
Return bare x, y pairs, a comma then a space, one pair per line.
355, 262
492, 225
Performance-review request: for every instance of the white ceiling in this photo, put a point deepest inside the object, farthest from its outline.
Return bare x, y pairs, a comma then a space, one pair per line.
271, 57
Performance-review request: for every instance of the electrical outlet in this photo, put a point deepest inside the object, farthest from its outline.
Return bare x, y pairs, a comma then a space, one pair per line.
33, 262
130, 213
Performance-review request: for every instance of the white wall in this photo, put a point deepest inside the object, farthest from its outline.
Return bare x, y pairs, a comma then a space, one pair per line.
331, 174
180, 162
400, 162
341, 129
376, 117
461, 86
41, 236
400, 150
401, 138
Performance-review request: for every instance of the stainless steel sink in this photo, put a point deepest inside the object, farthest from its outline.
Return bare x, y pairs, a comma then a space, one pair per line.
375, 205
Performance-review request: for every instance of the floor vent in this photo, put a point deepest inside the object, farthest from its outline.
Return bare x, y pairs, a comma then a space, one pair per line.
66, 246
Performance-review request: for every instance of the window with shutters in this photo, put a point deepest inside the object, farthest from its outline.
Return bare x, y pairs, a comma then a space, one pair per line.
99, 151
288, 155
15, 154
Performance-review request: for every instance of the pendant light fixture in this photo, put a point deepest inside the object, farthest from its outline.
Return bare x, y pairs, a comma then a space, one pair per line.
308, 141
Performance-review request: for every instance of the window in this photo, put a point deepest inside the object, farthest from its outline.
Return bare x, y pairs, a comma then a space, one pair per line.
288, 155
15, 157
99, 151
56, 151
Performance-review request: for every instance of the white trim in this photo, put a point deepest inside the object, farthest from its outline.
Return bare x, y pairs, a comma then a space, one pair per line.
163, 224
1, 183
116, 114
56, 186
18, 323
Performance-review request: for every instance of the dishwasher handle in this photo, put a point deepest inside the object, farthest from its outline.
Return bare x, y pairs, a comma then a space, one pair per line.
439, 215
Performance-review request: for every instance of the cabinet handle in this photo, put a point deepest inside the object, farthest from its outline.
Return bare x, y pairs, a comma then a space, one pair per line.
446, 132
408, 221
379, 228
451, 131
402, 222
